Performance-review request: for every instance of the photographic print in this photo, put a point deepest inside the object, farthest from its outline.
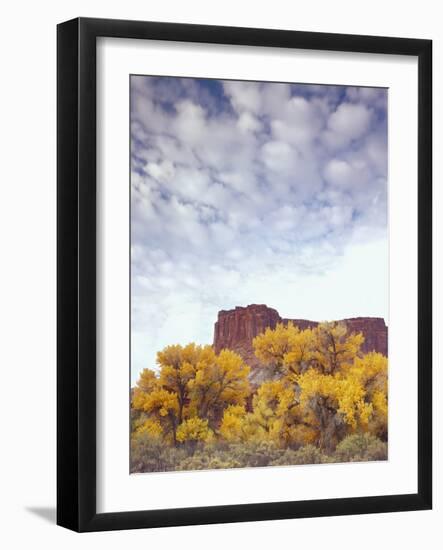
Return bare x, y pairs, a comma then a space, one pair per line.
259, 274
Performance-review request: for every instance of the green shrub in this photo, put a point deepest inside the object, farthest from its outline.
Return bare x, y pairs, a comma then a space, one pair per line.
235, 455
151, 455
206, 461
360, 448
308, 454
254, 454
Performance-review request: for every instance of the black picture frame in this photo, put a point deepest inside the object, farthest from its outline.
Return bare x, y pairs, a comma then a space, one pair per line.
76, 274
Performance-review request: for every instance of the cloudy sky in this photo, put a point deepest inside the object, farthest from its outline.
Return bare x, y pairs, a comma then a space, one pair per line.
248, 192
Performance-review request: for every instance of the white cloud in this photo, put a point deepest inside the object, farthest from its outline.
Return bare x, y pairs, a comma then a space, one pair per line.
279, 157
162, 171
299, 122
339, 173
243, 95
249, 123
349, 122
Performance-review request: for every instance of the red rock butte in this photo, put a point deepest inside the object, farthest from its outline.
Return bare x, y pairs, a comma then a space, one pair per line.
236, 328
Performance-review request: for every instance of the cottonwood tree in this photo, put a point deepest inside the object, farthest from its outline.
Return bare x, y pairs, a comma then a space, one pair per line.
333, 389
276, 418
161, 408
273, 345
192, 388
178, 366
219, 381
334, 347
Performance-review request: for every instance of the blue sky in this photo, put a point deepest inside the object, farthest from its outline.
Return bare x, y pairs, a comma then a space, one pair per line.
249, 192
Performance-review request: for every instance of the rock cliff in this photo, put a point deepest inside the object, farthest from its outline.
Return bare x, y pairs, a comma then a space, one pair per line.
236, 328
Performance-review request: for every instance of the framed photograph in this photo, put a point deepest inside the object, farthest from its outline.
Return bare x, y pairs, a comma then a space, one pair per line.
244, 274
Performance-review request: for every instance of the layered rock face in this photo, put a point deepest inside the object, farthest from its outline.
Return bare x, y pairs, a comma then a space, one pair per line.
236, 328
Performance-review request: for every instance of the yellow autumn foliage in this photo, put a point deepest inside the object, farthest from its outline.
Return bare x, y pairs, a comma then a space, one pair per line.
273, 345
151, 427
335, 349
233, 426
194, 429
319, 389
219, 381
148, 381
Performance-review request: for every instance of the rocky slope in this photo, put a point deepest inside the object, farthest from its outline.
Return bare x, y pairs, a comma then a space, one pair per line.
236, 328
